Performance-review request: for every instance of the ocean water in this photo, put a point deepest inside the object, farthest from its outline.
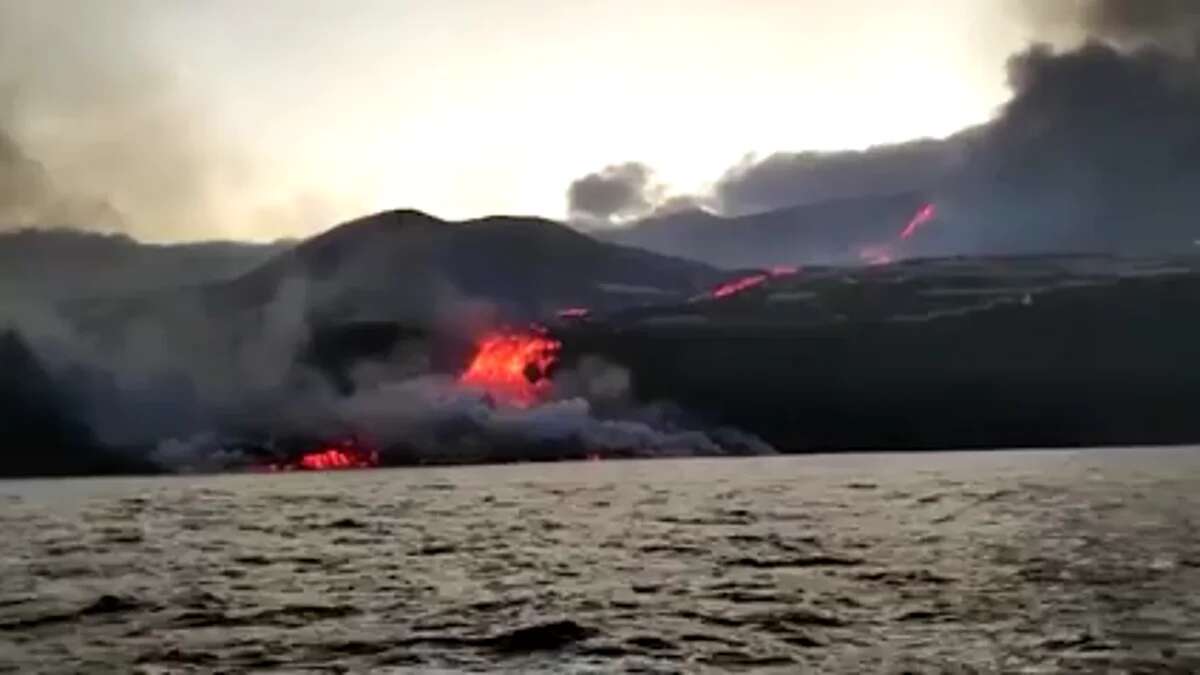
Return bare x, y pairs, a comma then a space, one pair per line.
1027, 561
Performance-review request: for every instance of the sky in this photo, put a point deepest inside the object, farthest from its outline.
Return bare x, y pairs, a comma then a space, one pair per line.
297, 114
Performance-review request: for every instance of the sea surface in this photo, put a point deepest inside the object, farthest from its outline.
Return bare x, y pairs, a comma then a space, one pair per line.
1028, 561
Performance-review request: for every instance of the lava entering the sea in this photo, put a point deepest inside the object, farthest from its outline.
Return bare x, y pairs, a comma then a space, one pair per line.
513, 365
345, 454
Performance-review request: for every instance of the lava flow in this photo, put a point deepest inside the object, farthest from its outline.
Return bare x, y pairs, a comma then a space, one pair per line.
574, 313
926, 214
876, 255
738, 285
882, 254
514, 366
345, 454
747, 282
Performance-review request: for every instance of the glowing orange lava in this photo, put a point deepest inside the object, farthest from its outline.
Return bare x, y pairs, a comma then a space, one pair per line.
882, 254
574, 313
750, 281
513, 365
876, 255
326, 459
345, 454
739, 285
926, 214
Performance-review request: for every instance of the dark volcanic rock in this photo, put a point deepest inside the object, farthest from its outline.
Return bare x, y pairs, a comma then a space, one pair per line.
953, 353
89, 264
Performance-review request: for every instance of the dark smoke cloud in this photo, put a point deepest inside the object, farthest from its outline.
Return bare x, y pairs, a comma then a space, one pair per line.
618, 192
682, 203
203, 377
1099, 147
1098, 150
1169, 24
29, 196
91, 134
788, 179
97, 133
431, 418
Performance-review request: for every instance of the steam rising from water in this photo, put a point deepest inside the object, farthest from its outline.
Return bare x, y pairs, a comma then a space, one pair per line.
435, 419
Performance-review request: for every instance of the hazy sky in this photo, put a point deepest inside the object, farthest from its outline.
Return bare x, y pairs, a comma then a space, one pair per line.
469, 107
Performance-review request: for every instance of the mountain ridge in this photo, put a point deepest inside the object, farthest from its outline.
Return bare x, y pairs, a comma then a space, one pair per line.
827, 232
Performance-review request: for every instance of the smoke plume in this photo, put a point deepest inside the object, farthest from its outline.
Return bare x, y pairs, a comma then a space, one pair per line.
1173, 25
786, 179
96, 134
1097, 150
616, 193
434, 419
190, 381
1099, 147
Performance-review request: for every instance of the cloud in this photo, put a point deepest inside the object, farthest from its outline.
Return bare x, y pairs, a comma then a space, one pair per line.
1169, 24
618, 192
1097, 150
29, 196
787, 179
97, 133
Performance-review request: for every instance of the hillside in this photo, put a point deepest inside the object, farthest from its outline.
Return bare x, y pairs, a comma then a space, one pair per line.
72, 264
400, 287
960, 352
411, 267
